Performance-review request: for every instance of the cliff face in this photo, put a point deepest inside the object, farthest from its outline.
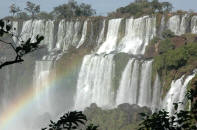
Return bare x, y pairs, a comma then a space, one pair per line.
94, 60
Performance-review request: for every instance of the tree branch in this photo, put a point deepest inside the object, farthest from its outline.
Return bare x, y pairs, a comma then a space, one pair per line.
17, 60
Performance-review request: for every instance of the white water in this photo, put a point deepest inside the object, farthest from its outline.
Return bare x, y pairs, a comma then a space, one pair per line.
61, 34
145, 84
15, 31
194, 24
95, 82
84, 33
43, 28
41, 76
156, 98
125, 92
69, 34
138, 34
101, 35
128, 89
49, 34
112, 37
176, 94
178, 24
76, 36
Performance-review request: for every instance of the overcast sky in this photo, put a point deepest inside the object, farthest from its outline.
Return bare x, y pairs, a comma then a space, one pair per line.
102, 6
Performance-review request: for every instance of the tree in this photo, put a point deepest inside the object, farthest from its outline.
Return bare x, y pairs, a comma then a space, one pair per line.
32, 8
20, 50
73, 9
143, 7
85, 10
14, 9
70, 121
22, 15
167, 7
156, 6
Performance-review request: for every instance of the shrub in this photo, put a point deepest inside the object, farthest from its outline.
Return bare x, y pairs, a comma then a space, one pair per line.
167, 34
165, 45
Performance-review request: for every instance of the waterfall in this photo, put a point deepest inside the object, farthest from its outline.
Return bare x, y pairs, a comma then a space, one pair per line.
49, 35
112, 37
162, 26
41, 79
145, 84
137, 35
67, 41
127, 92
77, 29
178, 24
134, 81
60, 34
176, 94
101, 35
31, 29
156, 98
138, 32
194, 25
94, 83
112, 76
15, 31
69, 34
84, 33
38, 26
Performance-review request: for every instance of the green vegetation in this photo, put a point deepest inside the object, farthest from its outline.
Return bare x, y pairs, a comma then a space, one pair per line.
14, 9
32, 8
180, 120
71, 121
124, 117
165, 45
67, 10
143, 7
173, 56
167, 34
72, 9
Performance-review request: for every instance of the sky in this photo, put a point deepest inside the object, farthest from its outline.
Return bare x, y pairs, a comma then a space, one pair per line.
102, 6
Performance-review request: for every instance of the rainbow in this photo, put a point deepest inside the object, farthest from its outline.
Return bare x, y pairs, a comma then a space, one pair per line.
27, 99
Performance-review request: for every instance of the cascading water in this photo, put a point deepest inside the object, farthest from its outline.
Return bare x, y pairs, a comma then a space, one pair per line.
84, 33
69, 34
145, 84
138, 34
194, 25
49, 35
112, 37
101, 35
60, 34
178, 24
41, 79
156, 98
135, 81
15, 31
95, 82
127, 91
176, 94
